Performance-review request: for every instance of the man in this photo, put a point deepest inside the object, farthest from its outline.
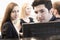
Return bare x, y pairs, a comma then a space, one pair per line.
42, 10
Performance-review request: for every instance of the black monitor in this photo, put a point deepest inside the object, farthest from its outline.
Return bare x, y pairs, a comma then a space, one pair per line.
42, 30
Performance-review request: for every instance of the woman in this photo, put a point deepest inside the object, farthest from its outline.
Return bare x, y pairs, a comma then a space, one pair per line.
25, 15
9, 27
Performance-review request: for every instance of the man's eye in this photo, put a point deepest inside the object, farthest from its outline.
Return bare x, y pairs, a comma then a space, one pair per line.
42, 11
36, 12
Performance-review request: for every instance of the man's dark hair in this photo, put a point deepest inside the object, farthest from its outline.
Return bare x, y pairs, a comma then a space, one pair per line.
47, 4
42, 0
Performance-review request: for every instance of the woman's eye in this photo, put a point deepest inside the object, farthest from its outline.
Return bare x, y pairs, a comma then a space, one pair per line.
13, 11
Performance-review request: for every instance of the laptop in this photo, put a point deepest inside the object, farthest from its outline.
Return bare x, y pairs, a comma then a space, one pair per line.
41, 30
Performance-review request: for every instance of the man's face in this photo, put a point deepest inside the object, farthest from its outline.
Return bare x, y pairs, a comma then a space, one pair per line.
41, 12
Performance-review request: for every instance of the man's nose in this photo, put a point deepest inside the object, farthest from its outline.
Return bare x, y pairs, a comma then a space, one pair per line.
16, 12
39, 14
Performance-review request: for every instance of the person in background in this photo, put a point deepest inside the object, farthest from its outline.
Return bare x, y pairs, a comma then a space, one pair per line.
42, 9
25, 14
56, 10
9, 29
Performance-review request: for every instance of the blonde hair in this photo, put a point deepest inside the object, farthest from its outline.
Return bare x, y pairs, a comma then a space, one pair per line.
23, 13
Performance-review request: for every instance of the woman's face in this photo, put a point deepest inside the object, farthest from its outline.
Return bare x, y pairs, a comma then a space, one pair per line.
15, 13
28, 10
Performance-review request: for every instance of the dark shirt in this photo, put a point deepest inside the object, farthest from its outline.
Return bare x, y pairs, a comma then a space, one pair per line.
22, 21
8, 31
54, 19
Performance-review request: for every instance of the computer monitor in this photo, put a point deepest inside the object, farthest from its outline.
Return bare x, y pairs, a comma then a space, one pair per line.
42, 30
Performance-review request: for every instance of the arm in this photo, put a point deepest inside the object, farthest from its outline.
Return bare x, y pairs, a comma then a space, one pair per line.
6, 31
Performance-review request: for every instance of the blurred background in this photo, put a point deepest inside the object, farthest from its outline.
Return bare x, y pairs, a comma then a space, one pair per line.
4, 3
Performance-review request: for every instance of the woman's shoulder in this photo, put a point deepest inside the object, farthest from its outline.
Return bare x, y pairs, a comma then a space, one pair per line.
7, 24
31, 19
22, 21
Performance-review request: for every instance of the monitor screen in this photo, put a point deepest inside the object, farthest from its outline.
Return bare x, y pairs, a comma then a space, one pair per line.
41, 30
